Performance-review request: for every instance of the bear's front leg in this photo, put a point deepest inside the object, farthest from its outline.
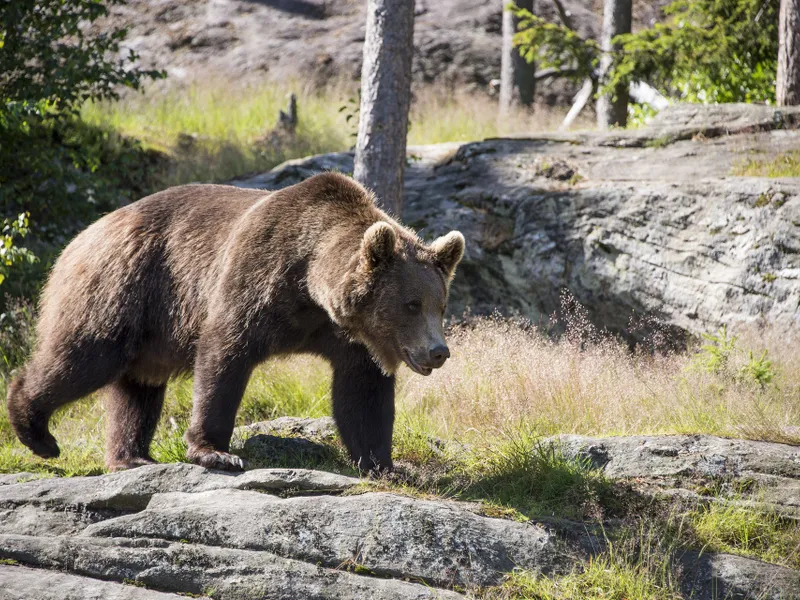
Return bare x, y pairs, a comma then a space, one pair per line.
363, 407
219, 383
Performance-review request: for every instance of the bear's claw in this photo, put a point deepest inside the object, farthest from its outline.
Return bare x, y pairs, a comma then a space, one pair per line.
219, 460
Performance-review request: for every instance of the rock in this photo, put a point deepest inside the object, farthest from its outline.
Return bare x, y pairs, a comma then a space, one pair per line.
296, 442
710, 576
694, 460
456, 42
653, 224
392, 536
183, 529
321, 428
193, 569
132, 490
22, 583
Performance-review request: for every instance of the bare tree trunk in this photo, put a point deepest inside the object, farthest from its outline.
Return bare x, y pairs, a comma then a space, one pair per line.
517, 77
612, 109
787, 91
385, 96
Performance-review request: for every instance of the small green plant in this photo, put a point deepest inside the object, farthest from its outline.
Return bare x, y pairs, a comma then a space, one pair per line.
714, 356
768, 277
759, 370
11, 253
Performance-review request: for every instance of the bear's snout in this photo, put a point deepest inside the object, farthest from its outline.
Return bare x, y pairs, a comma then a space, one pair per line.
437, 354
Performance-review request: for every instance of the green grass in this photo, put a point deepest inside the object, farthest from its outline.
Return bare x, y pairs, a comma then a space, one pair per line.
613, 575
223, 129
786, 164
219, 132
757, 532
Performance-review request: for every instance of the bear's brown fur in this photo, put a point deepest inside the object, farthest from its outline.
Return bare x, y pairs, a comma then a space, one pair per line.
216, 279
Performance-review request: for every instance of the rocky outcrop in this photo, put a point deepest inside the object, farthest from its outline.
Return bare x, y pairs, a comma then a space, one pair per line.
262, 534
455, 41
691, 464
161, 530
641, 222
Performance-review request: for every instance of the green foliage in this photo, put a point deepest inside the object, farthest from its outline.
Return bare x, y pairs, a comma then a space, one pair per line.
786, 164
706, 51
47, 59
759, 532
536, 479
616, 574
16, 334
758, 369
554, 46
53, 166
714, 356
11, 253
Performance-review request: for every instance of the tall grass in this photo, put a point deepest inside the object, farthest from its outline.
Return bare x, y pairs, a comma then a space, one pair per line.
505, 377
222, 129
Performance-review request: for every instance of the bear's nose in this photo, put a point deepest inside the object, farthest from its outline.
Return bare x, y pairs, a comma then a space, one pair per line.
438, 354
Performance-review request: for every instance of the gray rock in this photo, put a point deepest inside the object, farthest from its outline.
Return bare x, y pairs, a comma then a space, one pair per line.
710, 576
318, 41
132, 490
670, 460
438, 542
651, 222
22, 583
194, 569
322, 428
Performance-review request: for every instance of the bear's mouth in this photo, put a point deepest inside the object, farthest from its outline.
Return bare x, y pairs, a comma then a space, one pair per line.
412, 364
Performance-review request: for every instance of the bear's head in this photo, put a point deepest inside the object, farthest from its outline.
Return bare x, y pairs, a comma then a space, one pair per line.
396, 292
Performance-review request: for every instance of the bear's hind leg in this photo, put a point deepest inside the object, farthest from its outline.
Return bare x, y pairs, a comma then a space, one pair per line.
132, 412
50, 381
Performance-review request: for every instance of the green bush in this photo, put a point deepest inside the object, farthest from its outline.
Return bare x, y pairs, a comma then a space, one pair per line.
706, 51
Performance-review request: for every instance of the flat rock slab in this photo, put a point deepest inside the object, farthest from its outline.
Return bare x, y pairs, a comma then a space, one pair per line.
192, 568
671, 460
440, 542
22, 583
132, 490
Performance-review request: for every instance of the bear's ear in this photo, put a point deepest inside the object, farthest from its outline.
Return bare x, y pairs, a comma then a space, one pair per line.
377, 247
448, 251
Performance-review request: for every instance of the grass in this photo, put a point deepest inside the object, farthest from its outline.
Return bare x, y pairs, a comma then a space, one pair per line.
786, 164
223, 130
758, 532
619, 573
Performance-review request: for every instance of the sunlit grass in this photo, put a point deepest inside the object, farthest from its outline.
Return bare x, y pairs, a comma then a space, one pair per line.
786, 164
219, 130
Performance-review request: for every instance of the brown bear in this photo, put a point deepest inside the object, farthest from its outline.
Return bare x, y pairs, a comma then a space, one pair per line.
216, 279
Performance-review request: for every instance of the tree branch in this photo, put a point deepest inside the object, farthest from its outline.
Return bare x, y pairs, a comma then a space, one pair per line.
563, 14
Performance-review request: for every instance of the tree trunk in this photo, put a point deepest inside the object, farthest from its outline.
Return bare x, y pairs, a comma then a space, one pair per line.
612, 108
517, 77
385, 96
787, 91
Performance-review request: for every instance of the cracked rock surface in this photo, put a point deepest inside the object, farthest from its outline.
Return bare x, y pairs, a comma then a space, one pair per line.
641, 222
162, 530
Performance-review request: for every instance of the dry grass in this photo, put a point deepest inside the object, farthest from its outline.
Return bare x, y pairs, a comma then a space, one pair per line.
503, 376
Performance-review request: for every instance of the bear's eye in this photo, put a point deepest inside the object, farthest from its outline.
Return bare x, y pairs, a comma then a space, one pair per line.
414, 307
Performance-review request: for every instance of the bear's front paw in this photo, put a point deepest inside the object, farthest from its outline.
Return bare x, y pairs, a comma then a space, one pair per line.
213, 459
